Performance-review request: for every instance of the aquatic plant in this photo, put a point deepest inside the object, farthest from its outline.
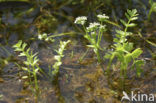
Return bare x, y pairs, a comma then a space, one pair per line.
104, 18
59, 56
93, 33
50, 38
124, 50
152, 9
32, 66
45, 37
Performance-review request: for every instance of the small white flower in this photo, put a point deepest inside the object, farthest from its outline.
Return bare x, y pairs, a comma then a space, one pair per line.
40, 37
80, 20
103, 27
92, 32
92, 26
102, 17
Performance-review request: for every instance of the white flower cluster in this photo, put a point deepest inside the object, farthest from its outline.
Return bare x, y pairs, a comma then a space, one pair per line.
44, 37
81, 20
103, 27
102, 17
92, 26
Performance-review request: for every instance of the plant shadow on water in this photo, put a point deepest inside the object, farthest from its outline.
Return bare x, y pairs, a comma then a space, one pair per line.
80, 79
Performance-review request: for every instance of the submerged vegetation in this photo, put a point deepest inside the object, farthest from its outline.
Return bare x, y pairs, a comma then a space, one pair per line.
93, 33
152, 9
124, 50
63, 57
58, 57
31, 62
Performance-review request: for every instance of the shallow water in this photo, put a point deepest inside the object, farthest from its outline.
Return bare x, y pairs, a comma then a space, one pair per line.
78, 81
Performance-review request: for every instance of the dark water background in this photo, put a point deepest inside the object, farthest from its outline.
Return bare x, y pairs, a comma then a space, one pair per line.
78, 82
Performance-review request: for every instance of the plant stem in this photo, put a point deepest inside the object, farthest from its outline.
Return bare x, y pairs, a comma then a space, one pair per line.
122, 82
150, 12
82, 57
35, 80
98, 56
107, 21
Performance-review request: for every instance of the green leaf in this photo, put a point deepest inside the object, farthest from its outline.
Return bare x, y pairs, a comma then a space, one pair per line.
36, 70
18, 45
154, 6
27, 51
128, 46
91, 46
139, 62
118, 35
116, 40
152, 43
120, 56
129, 12
134, 11
128, 33
138, 65
150, 2
57, 57
26, 63
107, 56
59, 63
18, 49
131, 25
24, 77
136, 53
134, 18
128, 58
22, 54
34, 54
24, 45
123, 22
111, 59
35, 61
127, 16
24, 68
120, 32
